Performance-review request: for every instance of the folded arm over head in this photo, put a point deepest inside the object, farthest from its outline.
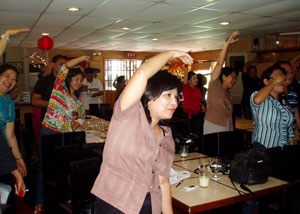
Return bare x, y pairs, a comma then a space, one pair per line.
263, 93
7, 34
217, 70
78, 60
137, 85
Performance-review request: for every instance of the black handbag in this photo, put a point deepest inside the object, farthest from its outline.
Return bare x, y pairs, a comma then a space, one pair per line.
251, 167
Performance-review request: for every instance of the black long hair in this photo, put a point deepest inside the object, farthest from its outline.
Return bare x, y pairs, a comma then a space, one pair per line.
267, 75
72, 73
160, 82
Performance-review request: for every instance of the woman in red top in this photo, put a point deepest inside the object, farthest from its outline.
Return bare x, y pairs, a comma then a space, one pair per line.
192, 102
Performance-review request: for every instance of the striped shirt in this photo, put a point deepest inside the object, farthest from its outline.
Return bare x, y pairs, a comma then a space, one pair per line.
272, 122
62, 106
293, 103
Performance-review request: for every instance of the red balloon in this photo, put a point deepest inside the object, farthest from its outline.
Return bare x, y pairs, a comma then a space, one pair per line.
45, 43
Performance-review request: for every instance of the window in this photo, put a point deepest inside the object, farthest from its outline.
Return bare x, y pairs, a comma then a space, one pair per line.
119, 67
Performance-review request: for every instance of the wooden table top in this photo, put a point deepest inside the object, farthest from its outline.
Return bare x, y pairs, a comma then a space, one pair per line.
218, 193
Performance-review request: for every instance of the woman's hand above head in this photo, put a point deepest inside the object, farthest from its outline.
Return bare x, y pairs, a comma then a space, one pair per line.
78, 60
137, 85
183, 56
16, 32
278, 77
232, 39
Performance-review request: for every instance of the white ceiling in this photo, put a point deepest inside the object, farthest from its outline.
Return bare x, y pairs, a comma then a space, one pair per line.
190, 25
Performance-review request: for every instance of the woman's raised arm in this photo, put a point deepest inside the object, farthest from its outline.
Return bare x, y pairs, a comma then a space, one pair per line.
7, 34
78, 60
218, 68
137, 85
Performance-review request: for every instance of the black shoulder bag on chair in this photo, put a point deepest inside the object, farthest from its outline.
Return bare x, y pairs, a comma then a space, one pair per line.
249, 168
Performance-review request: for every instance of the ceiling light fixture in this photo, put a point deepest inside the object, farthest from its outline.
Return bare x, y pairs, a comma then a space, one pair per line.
155, 39
224, 23
125, 28
73, 9
45, 34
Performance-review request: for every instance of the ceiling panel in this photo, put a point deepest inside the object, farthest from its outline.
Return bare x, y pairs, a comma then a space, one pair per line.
158, 28
93, 23
71, 32
101, 34
186, 30
194, 17
60, 6
178, 24
289, 16
18, 18
56, 20
130, 36
191, 3
36, 32
240, 5
133, 24
233, 18
159, 12
24, 6
275, 9
120, 9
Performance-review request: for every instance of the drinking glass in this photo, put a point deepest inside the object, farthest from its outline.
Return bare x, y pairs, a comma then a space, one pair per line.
184, 151
216, 167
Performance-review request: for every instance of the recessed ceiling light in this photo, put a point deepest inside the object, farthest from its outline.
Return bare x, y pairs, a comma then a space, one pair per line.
73, 9
125, 28
210, 0
155, 39
224, 23
45, 34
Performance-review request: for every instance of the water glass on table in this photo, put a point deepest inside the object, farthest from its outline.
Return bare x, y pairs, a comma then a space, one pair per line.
184, 151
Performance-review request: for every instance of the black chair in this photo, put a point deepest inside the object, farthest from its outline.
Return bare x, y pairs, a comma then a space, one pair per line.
276, 161
94, 110
74, 138
49, 143
107, 113
291, 163
82, 178
103, 106
223, 144
289, 198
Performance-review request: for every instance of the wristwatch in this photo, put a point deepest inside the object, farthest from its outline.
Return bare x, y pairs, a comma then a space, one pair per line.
3, 36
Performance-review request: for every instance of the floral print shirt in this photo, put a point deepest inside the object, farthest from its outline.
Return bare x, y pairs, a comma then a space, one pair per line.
63, 108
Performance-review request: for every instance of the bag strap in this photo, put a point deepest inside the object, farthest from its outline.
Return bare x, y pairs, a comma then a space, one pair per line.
246, 201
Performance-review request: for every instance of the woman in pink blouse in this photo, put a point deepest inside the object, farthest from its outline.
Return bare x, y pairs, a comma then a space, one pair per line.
139, 151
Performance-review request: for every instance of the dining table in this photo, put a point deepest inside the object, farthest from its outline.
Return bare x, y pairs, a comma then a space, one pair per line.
218, 193
95, 129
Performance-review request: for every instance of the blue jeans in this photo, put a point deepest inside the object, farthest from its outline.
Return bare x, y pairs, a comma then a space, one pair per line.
39, 190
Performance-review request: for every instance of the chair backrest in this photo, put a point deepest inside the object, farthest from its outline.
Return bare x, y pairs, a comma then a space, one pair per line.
103, 106
291, 162
228, 143
82, 177
290, 198
74, 138
49, 155
276, 161
94, 110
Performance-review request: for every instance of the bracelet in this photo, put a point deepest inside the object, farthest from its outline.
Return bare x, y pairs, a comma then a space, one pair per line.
3, 36
18, 158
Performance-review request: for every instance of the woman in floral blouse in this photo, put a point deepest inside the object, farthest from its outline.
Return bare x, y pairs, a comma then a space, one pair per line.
65, 112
